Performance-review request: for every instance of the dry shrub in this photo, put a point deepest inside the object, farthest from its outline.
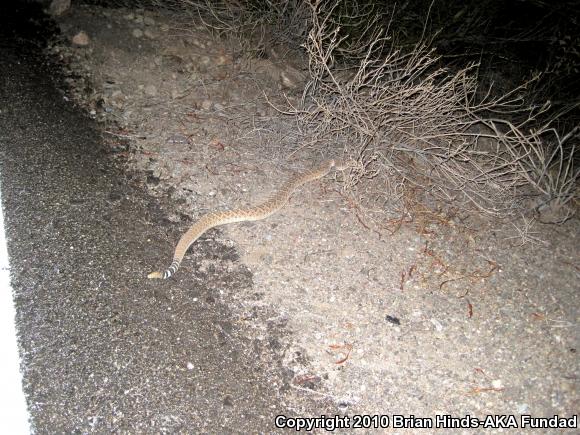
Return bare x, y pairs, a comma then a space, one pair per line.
254, 24
546, 162
422, 135
418, 131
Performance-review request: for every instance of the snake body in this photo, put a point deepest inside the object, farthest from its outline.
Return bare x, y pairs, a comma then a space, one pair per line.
256, 213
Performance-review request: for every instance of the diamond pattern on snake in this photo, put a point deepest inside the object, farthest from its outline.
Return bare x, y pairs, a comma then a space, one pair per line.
256, 213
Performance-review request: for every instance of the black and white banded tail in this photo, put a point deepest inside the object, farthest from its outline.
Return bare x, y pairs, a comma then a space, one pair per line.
167, 274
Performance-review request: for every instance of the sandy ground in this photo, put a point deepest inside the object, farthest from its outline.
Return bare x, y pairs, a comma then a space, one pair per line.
464, 317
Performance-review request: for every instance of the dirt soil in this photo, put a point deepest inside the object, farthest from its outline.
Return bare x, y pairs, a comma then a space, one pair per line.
461, 316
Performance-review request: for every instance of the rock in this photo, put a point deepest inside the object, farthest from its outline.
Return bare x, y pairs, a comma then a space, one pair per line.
291, 77
148, 21
81, 39
137, 33
206, 104
287, 76
177, 138
222, 60
553, 212
197, 43
151, 90
497, 384
118, 99
58, 7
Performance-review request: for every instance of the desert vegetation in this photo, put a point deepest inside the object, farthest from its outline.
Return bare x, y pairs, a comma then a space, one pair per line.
427, 131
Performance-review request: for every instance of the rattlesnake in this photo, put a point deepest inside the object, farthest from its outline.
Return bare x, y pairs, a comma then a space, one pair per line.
256, 213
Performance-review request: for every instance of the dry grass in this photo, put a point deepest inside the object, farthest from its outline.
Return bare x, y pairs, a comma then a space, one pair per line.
421, 136
253, 24
544, 160
417, 128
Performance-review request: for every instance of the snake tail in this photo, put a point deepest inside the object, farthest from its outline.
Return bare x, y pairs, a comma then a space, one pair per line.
255, 213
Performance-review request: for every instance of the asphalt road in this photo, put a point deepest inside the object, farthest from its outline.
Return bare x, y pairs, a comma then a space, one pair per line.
103, 348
